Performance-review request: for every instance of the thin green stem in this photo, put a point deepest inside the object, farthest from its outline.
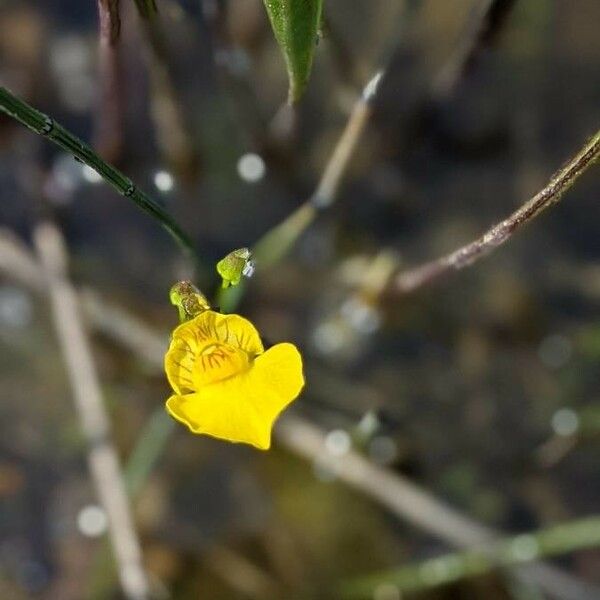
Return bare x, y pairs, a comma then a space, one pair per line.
43, 125
516, 550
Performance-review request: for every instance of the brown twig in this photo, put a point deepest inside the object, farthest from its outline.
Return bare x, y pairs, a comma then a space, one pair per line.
102, 455
109, 123
499, 234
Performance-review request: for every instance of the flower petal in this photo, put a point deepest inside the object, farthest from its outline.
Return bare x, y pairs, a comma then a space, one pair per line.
244, 408
238, 332
179, 364
191, 337
231, 329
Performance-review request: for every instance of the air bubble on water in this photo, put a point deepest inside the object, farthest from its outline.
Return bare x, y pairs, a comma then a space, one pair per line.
251, 167
565, 422
92, 521
338, 442
163, 180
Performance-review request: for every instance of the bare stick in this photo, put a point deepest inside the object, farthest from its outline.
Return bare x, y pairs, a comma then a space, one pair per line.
102, 456
411, 280
329, 184
399, 495
109, 122
273, 244
45, 126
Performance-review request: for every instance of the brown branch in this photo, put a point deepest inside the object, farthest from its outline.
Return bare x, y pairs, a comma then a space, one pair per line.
109, 123
499, 234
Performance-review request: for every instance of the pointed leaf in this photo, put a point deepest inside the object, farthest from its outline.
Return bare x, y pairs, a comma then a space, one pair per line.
296, 25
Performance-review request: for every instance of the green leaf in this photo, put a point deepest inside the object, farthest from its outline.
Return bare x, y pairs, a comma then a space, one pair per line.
296, 26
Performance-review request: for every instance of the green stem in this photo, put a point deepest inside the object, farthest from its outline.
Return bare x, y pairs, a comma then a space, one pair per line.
45, 126
513, 551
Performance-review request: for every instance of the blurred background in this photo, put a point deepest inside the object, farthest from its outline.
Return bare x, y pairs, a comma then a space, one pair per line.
482, 390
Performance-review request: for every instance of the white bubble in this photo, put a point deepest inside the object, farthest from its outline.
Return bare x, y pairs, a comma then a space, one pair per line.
565, 422
163, 180
338, 442
251, 167
363, 317
555, 351
386, 591
328, 338
249, 268
90, 175
92, 521
524, 547
15, 307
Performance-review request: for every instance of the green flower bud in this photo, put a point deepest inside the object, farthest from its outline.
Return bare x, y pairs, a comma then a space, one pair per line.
234, 265
188, 299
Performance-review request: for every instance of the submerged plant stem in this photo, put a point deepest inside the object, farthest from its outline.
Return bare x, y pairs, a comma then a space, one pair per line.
512, 551
45, 126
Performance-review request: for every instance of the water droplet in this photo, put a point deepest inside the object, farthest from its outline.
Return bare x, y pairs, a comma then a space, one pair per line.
525, 547
163, 180
92, 521
90, 175
565, 422
337, 442
15, 307
251, 167
328, 337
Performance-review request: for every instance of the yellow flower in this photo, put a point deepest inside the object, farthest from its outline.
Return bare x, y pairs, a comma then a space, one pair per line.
225, 384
